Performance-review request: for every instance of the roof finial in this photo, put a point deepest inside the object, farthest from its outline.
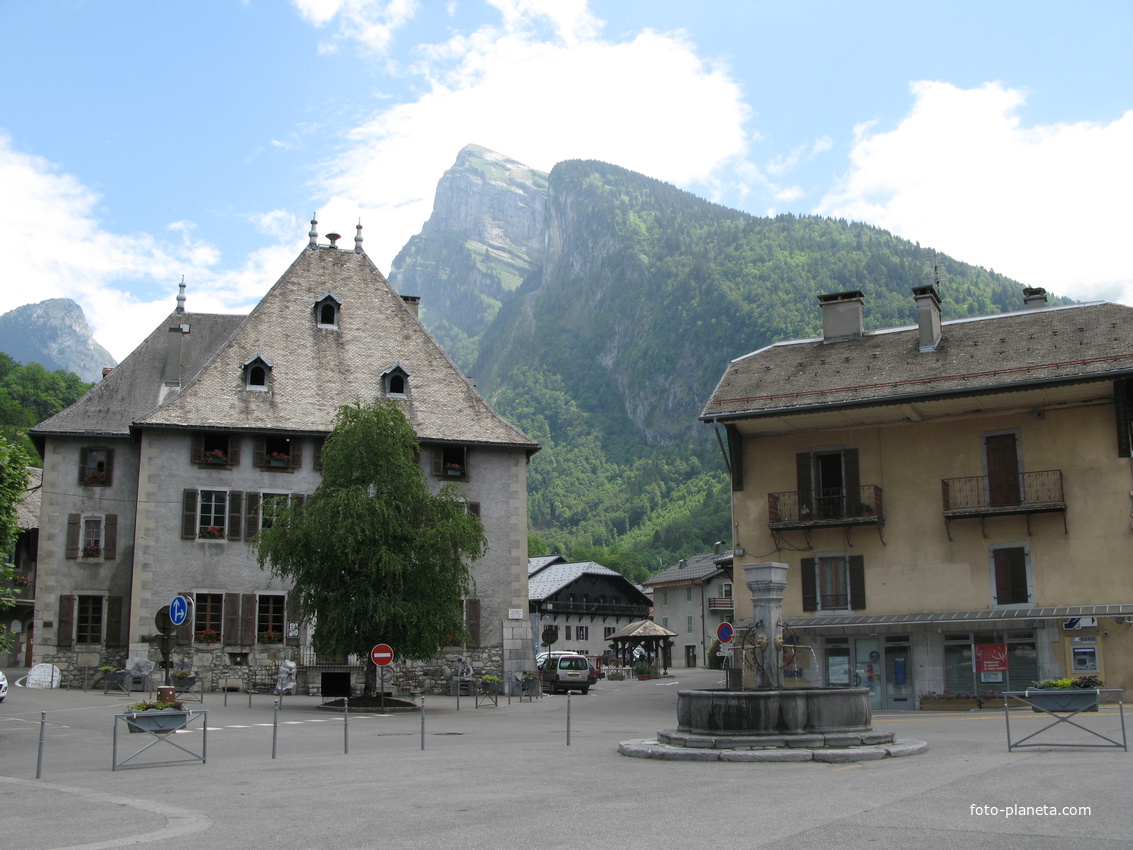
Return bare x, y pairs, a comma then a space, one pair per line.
181, 296
314, 234
358, 238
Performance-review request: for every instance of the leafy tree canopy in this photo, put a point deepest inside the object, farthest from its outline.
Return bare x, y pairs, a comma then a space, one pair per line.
13, 487
373, 555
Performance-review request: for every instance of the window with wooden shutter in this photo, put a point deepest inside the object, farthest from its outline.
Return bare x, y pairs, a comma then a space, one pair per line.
74, 524
96, 467
1010, 576
472, 621
451, 462
65, 627
88, 619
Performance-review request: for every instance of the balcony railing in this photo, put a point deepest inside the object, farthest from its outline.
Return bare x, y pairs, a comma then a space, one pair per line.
825, 508
721, 603
600, 609
992, 495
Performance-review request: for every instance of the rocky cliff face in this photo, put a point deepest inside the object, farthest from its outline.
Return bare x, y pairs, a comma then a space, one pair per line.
484, 237
55, 334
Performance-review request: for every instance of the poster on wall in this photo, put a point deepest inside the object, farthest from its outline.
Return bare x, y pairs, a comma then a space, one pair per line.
991, 661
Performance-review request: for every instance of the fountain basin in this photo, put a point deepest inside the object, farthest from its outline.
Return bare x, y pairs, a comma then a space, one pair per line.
776, 711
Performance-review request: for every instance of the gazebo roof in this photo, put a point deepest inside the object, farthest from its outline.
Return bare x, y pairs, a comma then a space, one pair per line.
642, 629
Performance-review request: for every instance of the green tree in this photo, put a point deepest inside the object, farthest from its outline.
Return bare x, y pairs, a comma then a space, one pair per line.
372, 555
13, 487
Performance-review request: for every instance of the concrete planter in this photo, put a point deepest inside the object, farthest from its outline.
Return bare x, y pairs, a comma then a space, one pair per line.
160, 721
1063, 700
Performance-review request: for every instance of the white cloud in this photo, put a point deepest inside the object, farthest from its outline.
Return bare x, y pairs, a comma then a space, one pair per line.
369, 22
55, 247
541, 87
1045, 204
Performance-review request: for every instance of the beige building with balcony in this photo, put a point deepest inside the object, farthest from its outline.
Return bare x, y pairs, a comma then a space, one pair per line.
952, 498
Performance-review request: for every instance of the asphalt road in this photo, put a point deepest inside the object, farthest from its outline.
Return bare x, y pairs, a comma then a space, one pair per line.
504, 776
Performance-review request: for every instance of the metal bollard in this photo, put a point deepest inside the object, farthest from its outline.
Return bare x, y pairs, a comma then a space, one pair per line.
422, 722
275, 728
568, 718
345, 725
39, 758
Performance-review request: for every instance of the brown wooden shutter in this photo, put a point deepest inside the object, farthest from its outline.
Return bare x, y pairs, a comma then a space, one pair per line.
110, 537
1010, 575
248, 618
857, 582
251, 515
109, 467
465, 453
84, 459
235, 515
1123, 410
115, 622
65, 626
233, 451
472, 621
189, 515
735, 456
196, 448
185, 630
259, 450
809, 584
73, 523
231, 618
805, 485
438, 461
296, 453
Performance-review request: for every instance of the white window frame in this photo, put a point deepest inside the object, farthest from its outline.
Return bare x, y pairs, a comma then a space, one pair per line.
224, 529
83, 537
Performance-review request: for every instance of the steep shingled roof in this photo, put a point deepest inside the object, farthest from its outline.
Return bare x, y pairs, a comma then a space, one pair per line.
314, 370
990, 353
695, 568
555, 576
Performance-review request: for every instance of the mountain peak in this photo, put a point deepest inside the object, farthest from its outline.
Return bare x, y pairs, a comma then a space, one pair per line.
55, 334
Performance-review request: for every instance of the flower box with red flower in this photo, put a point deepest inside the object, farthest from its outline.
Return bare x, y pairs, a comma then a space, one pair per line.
95, 478
208, 636
92, 551
270, 636
211, 532
278, 459
214, 456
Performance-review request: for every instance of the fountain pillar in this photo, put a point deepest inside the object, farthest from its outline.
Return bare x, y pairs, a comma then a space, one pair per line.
767, 581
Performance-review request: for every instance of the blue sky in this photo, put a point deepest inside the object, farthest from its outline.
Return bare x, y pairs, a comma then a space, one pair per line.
141, 140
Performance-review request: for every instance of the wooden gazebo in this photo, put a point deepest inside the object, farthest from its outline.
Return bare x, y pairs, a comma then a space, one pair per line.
654, 639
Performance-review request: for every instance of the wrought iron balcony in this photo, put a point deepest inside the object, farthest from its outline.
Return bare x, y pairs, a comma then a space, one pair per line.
596, 609
829, 508
721, 603
990, 495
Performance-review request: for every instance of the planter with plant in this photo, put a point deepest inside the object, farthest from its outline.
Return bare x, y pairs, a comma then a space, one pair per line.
270, 636
1065, 695
490, 684
278, 459
158, 717
214, 457
645, 670
208, 636
211, 532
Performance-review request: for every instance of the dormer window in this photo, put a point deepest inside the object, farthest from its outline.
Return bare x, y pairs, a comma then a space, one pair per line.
326, 311
395, 381
257, 374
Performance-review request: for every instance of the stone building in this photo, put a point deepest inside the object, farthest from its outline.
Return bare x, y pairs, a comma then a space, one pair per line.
156, 481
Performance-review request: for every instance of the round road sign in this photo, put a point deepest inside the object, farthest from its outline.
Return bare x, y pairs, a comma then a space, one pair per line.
382, 654
178, 610
724, 632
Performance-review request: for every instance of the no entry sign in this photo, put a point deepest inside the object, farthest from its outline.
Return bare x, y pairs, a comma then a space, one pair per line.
382, 654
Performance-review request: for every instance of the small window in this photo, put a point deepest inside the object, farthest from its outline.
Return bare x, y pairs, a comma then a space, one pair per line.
208, 617
215, 450
275, 453
665, 598
1011, 576
257, 374
567, 636
270, 504
327, 309
270, 619
451, 462
833, 582
688, 624
96, 467
688, 593
92, 537
582, 633
608, 631
89, 619
395, 381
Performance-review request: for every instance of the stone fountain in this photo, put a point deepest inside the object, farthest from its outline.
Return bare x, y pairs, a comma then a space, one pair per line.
770, 722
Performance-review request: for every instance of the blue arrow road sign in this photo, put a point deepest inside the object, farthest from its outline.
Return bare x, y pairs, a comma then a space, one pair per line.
178, 610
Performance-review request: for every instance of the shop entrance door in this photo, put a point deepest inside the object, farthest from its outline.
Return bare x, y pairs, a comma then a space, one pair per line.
898, 692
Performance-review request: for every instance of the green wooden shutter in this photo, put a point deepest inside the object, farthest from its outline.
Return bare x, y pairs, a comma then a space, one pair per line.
857, 582
809, 584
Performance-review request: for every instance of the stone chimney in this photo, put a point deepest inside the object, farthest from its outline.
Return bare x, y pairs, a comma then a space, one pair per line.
928, 316
842, 316
413, 302
172, 373
1034, 298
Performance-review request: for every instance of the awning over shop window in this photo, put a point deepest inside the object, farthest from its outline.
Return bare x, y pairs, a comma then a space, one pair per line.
959, 618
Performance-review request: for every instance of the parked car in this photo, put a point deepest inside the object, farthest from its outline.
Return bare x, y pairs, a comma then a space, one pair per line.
565, 672
3, 686
591, 679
